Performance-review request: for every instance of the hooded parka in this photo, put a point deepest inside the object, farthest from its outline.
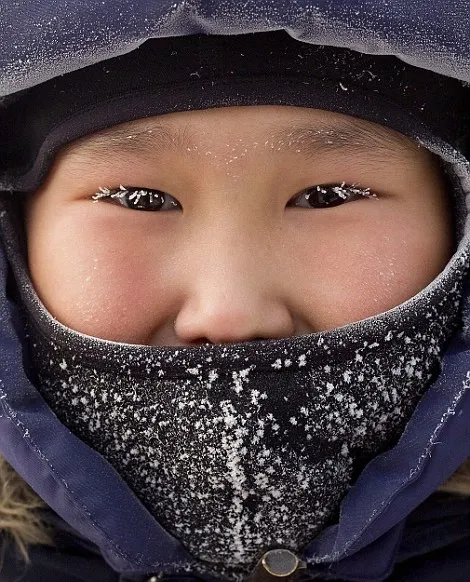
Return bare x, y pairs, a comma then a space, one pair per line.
392, 523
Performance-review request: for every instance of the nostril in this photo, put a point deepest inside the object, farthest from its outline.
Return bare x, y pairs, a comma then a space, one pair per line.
207, 342
200, 342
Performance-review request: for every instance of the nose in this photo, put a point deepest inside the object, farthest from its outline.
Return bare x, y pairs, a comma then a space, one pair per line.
216, 316
233, 293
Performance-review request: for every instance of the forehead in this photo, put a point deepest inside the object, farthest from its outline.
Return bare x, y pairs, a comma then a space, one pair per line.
283, 127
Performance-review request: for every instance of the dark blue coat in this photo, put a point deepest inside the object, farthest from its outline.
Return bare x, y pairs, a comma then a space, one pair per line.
388, 518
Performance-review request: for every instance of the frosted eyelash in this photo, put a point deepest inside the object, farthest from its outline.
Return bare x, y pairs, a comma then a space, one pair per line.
345, 192
135, 196
106, 193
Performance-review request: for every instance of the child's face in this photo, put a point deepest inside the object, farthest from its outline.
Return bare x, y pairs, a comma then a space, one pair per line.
242, 255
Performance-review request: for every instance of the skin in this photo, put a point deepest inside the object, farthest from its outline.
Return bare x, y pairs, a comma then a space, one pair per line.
244, 257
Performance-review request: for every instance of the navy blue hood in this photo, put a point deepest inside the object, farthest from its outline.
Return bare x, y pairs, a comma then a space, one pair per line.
43, 39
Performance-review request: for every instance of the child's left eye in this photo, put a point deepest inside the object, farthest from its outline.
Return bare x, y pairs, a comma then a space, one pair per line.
327, 196
138, 198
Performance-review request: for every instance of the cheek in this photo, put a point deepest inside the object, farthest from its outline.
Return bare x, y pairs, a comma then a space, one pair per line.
99, 279
359, 269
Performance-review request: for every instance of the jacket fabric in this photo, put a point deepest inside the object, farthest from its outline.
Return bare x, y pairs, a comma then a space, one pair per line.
392, 524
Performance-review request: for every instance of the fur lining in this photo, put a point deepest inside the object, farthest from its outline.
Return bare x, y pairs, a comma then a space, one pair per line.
19, 512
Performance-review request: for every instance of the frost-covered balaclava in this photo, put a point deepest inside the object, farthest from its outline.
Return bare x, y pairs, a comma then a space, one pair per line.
239, 448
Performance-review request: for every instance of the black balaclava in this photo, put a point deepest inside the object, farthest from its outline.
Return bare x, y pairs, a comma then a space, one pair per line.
241, 448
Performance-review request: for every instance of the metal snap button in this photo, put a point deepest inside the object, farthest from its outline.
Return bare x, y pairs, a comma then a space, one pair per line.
280, 562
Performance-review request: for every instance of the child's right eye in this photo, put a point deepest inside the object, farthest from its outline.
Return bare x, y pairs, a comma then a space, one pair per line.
138, 198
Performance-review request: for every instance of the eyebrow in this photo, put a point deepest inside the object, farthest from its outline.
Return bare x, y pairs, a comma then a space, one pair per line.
349, 136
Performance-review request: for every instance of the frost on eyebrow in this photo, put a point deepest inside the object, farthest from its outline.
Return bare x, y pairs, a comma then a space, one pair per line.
125, 138
353, 137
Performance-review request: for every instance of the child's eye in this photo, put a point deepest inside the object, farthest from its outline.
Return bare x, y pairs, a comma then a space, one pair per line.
325, 196
138, 198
